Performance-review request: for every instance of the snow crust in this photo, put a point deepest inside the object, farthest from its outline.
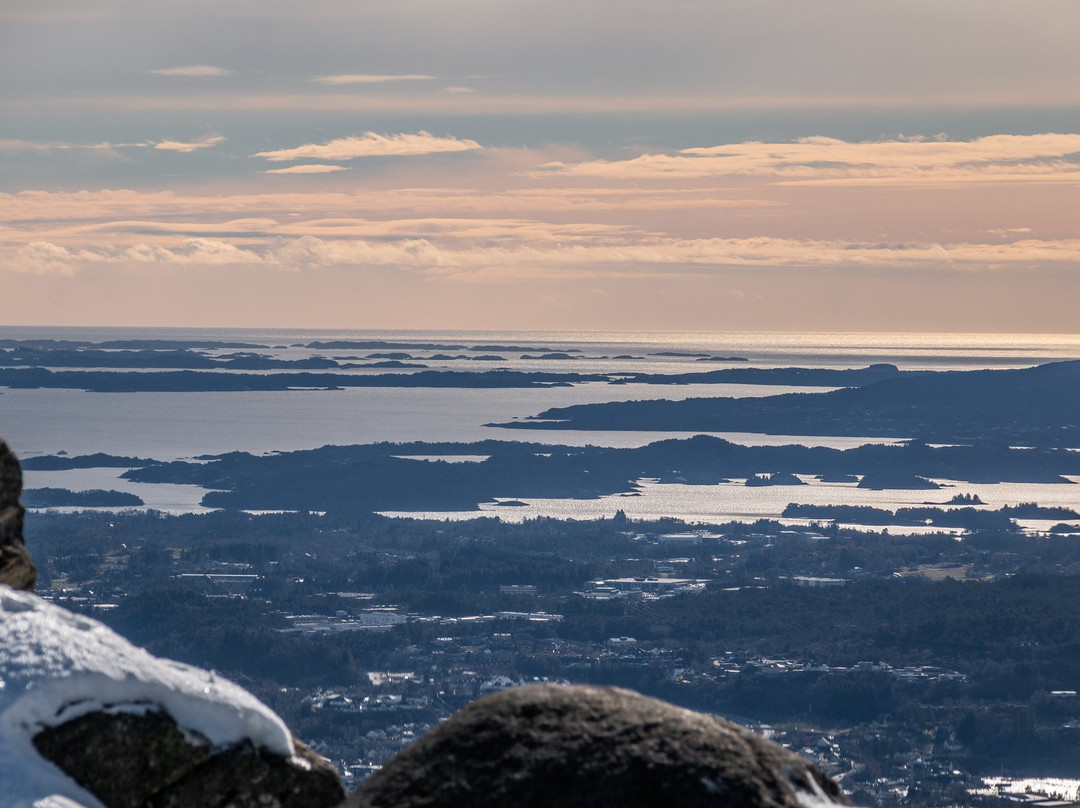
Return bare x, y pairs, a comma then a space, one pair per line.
56, 666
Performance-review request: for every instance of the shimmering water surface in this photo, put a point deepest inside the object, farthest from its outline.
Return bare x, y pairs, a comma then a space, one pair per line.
167, 426
735, 501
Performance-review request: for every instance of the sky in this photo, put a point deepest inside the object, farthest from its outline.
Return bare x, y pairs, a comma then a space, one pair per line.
636, 165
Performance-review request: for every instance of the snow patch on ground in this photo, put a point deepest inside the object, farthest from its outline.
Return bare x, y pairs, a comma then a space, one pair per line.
56, 666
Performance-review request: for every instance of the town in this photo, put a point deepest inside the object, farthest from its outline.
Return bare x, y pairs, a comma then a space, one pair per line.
912, 668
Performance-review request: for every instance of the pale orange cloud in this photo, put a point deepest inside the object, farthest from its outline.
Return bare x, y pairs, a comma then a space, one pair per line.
365, 78
519, 260
17, 145
35, 211
42, 146
259, 230
371, 144
193, 72
308, 168
576, 217
40, 258
997, 157
207, 142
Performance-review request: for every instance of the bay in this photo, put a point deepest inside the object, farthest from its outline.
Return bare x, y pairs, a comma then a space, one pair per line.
167, 426
735, 501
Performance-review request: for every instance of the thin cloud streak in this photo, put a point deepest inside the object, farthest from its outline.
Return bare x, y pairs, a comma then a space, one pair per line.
193, 72
364, 78
190, 146
818, 158
16, 145
371, 144
47, 213
313, 168
437, 102
259, 230
310, 253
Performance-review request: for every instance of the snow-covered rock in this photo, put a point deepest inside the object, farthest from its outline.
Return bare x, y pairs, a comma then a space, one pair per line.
56, 667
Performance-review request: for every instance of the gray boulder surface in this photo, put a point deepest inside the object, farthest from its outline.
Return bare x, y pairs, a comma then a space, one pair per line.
16, 568
587, 747
144, 760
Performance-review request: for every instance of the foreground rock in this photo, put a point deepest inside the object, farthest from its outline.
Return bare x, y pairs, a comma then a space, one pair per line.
16, 568
163, 765
588, 747
86, 716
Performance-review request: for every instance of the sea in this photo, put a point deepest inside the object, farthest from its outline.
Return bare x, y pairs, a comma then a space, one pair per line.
171, 426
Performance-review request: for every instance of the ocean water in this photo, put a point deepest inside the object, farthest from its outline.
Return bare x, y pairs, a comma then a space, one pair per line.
178, 425
170, 426
167, 426
735, 501
763, 349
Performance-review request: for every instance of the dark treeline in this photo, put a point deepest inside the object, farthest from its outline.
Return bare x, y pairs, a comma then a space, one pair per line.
205, 374
61, 498
1034, 406
374, 477
902, 622
968, 518
91, 461
146, 358
184, 381
183, 359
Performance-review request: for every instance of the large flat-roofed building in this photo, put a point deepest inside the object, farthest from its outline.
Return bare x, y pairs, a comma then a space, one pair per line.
610, 588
